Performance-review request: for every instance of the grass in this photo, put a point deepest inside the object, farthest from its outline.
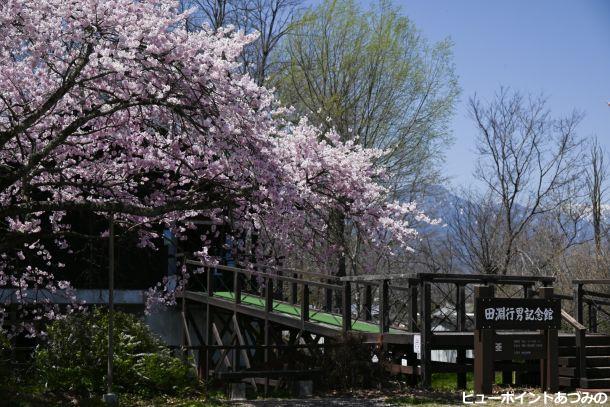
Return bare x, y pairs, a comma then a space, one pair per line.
448, 381
321, 317
27, 395
50, 399
418, 401
172, 401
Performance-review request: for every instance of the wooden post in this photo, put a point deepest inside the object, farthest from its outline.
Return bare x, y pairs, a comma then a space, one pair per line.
235, 351
578, 302
347, 306
305, 304
110, 370
210, 278
483, 349
426, 336
279, 291
237, 287
183, 340
525, 291
368, 302
592, 317
522, 378
269, 295
294, 290
328, 306
581, 357
267, 333
384, 307
208, 321
208, 328
460, 310
412, 356
200, 362
549, 372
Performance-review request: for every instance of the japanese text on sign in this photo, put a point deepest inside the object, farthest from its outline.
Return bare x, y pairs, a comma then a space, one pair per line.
529, 398
518, 314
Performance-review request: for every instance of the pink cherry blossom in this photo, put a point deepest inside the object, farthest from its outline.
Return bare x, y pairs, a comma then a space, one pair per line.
111, 106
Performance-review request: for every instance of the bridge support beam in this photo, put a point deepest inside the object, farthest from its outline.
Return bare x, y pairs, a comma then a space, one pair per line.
549, 378
460, 310
483, 349
426, 336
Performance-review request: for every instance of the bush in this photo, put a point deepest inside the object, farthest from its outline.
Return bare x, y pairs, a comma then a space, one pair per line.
163, 373
5, 368
74, 357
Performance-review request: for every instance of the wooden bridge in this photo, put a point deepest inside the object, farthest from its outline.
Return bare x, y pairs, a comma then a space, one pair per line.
268, 323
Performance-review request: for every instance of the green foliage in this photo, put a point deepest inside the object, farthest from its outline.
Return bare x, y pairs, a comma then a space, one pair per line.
370, 74
5, 370
163, 373
74, 358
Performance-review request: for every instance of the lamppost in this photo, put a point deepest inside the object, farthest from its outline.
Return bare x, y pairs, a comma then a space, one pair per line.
110, 398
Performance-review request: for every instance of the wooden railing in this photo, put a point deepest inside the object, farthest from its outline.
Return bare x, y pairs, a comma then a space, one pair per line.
281, 271
427, 294
390, 296
269, 279
581, 349
594, 300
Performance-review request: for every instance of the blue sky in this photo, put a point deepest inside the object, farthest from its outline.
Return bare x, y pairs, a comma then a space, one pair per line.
557, 47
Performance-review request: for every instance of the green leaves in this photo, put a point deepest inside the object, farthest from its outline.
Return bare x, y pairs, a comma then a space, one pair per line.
371, 75
74, 357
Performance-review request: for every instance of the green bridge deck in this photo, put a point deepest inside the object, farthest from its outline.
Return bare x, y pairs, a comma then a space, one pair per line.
294, 310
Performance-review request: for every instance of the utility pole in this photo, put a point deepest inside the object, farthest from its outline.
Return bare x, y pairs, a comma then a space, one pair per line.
110, 398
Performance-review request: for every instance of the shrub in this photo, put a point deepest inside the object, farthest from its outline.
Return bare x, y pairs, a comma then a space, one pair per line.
163, 373
74, 357
5, 369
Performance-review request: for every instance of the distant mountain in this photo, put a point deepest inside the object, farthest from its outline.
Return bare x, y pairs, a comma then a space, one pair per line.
441, 203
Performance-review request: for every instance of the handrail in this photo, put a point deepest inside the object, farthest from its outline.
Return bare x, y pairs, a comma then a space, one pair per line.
377, 277
571, 320
344, 289
238, 269
291, 270
591, 298
508, 279
596, 294
591, 281
580, 344
453, 278
564, 297
267, 275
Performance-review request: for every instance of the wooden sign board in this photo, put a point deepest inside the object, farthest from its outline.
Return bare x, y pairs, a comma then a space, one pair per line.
519, 347
522, 314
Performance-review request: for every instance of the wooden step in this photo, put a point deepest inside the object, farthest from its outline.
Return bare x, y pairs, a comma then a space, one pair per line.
597, 340
597, 350
592, 361
595, 383
598, 372
592, 372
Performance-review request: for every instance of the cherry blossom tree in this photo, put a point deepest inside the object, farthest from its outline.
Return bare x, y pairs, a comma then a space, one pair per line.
113, 108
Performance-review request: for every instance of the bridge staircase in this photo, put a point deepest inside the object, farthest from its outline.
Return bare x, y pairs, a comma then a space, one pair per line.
584, 359
596, 367
264, 323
